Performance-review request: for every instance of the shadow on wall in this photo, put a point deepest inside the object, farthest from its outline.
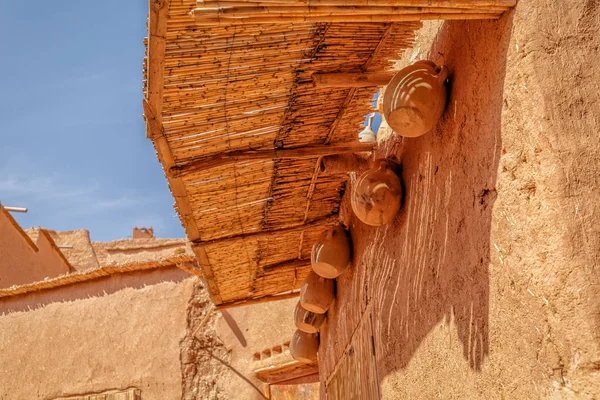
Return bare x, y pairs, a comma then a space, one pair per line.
234, 327
94, 288
431, 263
436, 263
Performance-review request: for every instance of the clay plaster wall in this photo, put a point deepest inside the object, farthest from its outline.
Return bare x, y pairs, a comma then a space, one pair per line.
117, 332
486, 285
22, 261
78, 247
126, 251
249, 329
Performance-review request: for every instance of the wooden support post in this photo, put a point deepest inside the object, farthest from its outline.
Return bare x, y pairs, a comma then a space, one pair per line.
351, 80
307, 152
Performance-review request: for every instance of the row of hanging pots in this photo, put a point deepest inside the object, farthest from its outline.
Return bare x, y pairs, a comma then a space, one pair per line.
412, 104
330, 257
375, 201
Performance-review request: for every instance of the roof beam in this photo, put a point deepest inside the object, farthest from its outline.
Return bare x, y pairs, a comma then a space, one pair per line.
307, 152
157, 32
286, 371
351, 79
324, 221
263, 299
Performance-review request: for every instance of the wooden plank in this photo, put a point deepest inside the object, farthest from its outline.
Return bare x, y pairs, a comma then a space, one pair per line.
307, 152
157, 31
264, 299
298, 10
126, 394
202, 20
285, 371
348, 79
395, 3
325, 221
352, 91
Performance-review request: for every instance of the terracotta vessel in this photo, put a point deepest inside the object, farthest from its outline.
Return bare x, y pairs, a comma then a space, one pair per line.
307, 321
331, 254
304, 347
317, 293
377, 195
367, 135
415, 98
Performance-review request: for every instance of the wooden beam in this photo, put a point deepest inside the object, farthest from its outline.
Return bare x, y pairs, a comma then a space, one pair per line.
157, 31
351, 92
348, 79
394, 3
379, 46
301, 10
264, 299
202, 20
154, 127
324, 221
307, 152
285, 371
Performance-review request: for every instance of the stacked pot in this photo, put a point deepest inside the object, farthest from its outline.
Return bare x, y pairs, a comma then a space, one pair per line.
331, 256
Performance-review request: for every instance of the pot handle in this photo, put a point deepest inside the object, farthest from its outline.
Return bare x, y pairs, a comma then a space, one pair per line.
426, 62
442, 75
383, 165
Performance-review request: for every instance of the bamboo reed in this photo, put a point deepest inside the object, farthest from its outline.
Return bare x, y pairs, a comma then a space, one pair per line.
397, 3
284, 19
334, 10
226, 102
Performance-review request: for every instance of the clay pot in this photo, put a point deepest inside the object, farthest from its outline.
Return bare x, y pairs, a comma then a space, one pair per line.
307, 321
304, 347
367, 135
415, 98
331, 254
377, 195
317, 293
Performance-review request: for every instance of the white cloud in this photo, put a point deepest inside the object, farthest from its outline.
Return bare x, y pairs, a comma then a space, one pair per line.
78, 200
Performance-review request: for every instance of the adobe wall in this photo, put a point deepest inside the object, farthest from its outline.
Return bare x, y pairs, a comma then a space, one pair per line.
249, 329
77, 246
116, 332
22, 261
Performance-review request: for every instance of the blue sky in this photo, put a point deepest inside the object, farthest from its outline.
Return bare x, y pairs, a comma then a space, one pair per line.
72, 142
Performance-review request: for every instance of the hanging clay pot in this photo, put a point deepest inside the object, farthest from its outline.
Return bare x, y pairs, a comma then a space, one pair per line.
415, 98
377, 195
307, 321
304, 347
317, 293
331, 254
367, 135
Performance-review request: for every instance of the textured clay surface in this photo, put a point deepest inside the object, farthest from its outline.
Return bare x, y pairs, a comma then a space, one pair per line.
486, 285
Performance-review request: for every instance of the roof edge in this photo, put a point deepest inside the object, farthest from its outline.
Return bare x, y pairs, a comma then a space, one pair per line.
85, 276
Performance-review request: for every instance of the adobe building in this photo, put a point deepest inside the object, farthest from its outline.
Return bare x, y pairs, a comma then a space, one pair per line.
124, 320
485, 282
